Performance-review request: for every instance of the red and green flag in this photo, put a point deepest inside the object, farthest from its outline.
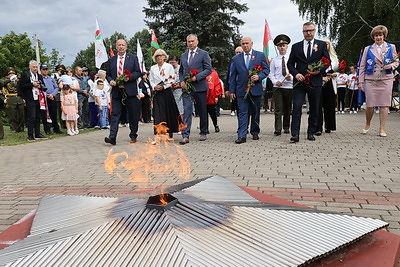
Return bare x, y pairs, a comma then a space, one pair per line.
154, 42
267, 38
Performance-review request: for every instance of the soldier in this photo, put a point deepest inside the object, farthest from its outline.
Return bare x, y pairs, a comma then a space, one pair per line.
13, 102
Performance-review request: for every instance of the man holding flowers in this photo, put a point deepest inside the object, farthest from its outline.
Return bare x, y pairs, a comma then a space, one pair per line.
195, 67
122, 72
307, 62
248, 69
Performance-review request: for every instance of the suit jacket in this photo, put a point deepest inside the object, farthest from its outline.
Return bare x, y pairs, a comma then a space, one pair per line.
298, 63
132, 64
25, 85
201, 62
378, 66
239, 74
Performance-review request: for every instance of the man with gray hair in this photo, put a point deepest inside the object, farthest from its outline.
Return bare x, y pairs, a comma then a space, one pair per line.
31, 87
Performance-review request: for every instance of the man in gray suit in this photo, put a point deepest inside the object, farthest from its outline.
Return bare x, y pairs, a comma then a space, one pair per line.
198, 60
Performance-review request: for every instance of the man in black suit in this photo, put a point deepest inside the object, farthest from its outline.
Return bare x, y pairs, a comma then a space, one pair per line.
125, 93
303, 54
31, 87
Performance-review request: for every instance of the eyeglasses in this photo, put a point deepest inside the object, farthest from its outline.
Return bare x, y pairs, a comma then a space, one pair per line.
305, 31
160, 55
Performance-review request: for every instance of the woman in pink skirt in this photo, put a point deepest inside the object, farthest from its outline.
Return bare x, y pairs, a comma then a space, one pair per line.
376, 77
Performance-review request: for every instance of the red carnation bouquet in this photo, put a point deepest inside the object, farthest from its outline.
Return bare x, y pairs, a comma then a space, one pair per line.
319, 65
342, 66
188, 81
257, 69
120, 79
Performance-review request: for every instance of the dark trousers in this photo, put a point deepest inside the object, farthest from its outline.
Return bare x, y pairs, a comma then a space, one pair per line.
132, 104
201, 104
52, 106
326, 110
314, 96
1, 130
283, 106
213, 114
234, 105
16, 113
93, 111
353, 99
146, 111
33, 114
83, 105
249, 109
341, 92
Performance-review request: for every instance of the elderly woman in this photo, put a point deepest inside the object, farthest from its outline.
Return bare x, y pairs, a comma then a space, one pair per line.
162, 77
376, 77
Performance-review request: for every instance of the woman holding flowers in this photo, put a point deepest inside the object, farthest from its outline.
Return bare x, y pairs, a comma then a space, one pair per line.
326, 114
376, 76
162, 77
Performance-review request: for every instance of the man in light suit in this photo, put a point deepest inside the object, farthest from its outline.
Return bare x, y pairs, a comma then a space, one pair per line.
303, 54
125, 94
197, 59
241, 64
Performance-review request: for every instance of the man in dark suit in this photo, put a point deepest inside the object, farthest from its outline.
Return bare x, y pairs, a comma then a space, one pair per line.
31, 87
125, 93
302, 55
197, 59
241, 64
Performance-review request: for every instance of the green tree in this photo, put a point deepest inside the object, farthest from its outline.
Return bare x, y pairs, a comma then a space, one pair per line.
349, 22
211, 20
55, 59
15, 51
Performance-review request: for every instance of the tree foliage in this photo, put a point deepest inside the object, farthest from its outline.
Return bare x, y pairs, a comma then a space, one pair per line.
212, 21
349, 22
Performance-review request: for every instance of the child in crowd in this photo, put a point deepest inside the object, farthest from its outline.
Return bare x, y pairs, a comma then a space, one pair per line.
69, 106
103, 102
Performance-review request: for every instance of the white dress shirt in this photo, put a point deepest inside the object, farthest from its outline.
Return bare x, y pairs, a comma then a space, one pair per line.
305, 47
275, 73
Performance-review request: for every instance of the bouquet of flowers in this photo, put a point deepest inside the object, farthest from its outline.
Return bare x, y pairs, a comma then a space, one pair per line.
386, 61
342, 66
188, 81
257, 69
120, 79
319, 65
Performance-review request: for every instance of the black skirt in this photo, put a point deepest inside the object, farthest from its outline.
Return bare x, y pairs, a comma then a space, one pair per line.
166, 110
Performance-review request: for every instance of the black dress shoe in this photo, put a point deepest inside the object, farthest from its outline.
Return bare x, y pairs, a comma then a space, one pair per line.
256, 137
110, 141
328, 131
318, 133
40, 136
294, 139
286, 131
311, 137
133, 141
240, 140
277, 133
217, 129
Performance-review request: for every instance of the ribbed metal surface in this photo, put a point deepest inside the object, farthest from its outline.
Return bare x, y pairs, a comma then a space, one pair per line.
114, 232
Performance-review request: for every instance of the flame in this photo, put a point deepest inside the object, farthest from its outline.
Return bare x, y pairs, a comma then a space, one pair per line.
163, 199
150, 161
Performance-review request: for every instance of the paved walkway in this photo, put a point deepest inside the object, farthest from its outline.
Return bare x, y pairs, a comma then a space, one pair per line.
344, 171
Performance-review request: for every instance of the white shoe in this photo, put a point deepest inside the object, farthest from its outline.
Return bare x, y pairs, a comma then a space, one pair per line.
69, 132
351, 112
377, 111
355, 112
233, 113
76, 131
342, 112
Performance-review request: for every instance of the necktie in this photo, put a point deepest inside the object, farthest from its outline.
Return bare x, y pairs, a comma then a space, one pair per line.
309, 49
247, 60
120, 67
284, 72
191, 58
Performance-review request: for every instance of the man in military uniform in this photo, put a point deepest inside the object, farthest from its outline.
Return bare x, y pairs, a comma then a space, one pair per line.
13, 102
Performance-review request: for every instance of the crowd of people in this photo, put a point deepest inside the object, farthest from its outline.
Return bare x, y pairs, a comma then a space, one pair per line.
176, 86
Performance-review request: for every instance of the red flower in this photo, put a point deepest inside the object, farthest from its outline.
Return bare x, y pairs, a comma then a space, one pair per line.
342, 66
258, 67
127, 73
194, 72
326, 61
188, 78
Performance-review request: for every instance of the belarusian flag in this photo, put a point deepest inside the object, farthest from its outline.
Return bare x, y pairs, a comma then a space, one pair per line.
154, 42
267, 38
139, 54
111, 51
100, 52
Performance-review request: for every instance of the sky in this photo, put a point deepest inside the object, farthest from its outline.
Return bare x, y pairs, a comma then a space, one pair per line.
70, 26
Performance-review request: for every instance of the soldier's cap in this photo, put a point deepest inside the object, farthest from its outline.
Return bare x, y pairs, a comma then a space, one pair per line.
85, 69
44, 67
60, 67
10, 70
281, 39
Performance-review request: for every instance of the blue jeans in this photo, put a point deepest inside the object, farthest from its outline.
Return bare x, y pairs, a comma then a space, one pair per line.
187, 114
103, 116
